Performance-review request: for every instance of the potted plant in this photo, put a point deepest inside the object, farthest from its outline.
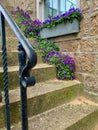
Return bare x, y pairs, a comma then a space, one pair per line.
64, 64
63, 24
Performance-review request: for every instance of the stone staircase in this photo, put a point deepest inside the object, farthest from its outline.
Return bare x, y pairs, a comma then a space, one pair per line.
52, 104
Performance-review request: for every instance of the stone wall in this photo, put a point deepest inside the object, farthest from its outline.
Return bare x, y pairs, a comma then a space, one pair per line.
28, 5
84, 46
89, 44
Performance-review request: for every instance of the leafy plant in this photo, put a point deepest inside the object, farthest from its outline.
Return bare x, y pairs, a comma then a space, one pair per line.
69, 16
65, 65
29, 27
46, 47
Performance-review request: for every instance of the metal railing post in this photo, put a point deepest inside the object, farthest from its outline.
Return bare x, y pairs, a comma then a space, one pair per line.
23, 91
5, 71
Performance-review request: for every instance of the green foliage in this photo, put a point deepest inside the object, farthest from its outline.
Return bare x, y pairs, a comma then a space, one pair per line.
45, 46
29, 27
64, 64
69, 16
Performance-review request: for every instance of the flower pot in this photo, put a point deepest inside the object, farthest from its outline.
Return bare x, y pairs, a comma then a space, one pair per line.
60, 29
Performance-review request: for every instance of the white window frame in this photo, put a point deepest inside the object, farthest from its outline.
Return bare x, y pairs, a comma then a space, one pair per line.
40, 8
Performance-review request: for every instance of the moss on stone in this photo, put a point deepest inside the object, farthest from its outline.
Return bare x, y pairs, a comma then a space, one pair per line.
41, 103
52, 99
13, 80
12, 59
44, 74
2, 117
87, 123
14, 114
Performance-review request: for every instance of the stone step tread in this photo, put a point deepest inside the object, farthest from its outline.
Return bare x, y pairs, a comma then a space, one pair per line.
62, 117
12, 57
42, 72
16, 68
11, 41
42, 88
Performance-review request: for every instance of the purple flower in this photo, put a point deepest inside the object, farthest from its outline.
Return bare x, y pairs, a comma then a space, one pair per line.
26, 15
37, 22
72, 10
29, 29
25, 22
73, 77
72, 67
64, 14
47, 21
55, 18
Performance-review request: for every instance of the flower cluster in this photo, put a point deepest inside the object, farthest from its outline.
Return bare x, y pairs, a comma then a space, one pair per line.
29, 27
73, 13
64, 64
52, 56
46, 46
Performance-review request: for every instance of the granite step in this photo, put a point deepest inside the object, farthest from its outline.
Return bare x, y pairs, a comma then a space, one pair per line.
76, 115
41, 97
79, 114
41, 72
12, 42
12, 57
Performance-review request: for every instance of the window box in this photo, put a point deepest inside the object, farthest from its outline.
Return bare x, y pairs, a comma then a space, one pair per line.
60, 29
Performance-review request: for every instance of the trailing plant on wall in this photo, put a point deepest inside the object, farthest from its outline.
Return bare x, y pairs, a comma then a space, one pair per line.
46, 46
64, 64
29, 27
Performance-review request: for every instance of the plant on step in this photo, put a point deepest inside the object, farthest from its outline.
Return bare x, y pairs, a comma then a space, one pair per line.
52, 57
68, 16
46, 46
65, 65
29, 27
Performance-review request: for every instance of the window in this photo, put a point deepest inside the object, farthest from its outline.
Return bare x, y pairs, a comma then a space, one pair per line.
50, 8
56, 7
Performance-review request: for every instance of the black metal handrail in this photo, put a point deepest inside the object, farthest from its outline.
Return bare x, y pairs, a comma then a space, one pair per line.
24, 49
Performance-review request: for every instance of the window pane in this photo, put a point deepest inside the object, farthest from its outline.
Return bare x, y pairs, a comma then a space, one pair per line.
55, 7
65, 5
51, 8
70, 4
62, 7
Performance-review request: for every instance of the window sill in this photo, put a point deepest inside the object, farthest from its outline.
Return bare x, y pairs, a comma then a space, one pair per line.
61, 29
